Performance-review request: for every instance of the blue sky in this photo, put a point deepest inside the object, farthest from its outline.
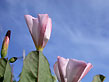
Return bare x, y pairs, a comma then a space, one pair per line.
80, 30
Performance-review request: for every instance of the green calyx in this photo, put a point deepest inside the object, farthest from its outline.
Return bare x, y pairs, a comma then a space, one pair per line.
13, 59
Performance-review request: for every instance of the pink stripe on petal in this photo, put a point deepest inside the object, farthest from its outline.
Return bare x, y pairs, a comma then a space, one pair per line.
74, 70
86, 70
35, 31
43, 19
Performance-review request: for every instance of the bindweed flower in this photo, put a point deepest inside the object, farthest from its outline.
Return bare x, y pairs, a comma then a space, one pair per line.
5, 44
71, 70
40, 29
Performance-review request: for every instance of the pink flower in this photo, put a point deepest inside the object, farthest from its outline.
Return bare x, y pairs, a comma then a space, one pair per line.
71, 70
40, 29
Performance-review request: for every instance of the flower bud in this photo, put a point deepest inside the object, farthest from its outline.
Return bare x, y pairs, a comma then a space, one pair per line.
13, 59
5, 44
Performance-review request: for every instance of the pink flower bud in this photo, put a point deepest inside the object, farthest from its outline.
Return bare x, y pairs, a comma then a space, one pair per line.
40, 29
5, 44
71, 70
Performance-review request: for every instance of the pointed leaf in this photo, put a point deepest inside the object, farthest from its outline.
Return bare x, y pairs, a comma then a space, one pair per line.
36, 68
8, 74
44, 73
5, 70
30, 66
3, 63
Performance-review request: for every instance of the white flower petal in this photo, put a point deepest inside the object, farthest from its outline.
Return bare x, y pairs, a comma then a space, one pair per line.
48, 29
29, 21
47, 32
56, 70
62, 66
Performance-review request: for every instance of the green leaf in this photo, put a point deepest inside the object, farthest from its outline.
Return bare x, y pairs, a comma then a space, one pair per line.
5, 70
3, 63
36, 68
98, 78
54, 78
30, 66
44, 73
8, 74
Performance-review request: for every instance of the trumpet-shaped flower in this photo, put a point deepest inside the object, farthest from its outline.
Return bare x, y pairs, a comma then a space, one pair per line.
40, 29
71, 70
